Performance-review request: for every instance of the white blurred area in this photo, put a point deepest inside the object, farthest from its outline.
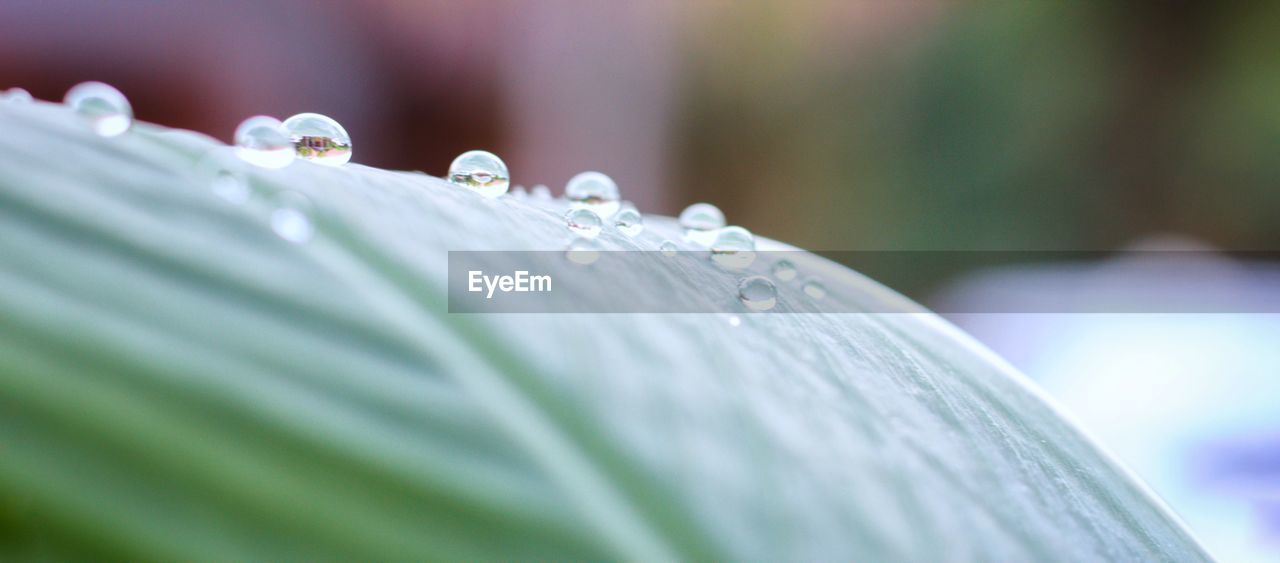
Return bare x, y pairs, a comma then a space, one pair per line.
1188, 401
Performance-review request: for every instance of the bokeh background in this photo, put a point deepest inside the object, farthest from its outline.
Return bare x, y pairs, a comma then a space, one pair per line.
842, 125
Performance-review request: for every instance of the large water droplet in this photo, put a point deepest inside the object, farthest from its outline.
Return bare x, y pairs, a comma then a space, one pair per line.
482, 171
813, 288
757, 293
105, 108
668, 248
291, 219
230, 186
16, 95
734, 248
583, 222
700, 222
583, 251
264, 141
319, 139
784, 270
629, 221
594, 191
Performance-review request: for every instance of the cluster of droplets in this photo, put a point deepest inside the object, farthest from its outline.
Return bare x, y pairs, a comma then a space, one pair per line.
594, 202
733, 248
267, 142
593, 197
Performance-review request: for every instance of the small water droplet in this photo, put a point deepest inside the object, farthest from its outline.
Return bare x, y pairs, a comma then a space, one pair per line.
16, 95
629, 221
668, 248
540, 191
757, 293
264, 141
291, 219
105, 108
594, 191
813, 288
319, 139
518, 192
734, 248
230, 186
784, 270
700, 222
583, 222
734, 321
583, 251
481, 171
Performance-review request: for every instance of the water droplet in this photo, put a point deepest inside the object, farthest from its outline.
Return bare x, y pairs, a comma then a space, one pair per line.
264, 141
540, 191
700, 222
319, 139
668, 248
482, 171
518, 192
230, 186
734, 321
784, 270
594, 191
105, 108
16, 95
813, 288
583, 222
734, 248
291, 219
583, 251
629, 221
757, 293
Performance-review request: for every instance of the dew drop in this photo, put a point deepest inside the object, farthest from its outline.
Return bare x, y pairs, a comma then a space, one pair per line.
813, 288
734, 248
16, 95
107, 110
583, 251
629, 221
700, 222
230, 186
319, 139
291, 219
757, 293
668, 248
518, 192
481, 171
540, 191
264, 141
784, 270
734, 321
594, 191
583, 222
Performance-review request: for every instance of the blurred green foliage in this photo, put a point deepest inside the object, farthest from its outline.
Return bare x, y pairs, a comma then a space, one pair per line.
991, 125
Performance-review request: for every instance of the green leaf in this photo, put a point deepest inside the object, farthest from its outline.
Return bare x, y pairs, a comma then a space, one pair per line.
178, 383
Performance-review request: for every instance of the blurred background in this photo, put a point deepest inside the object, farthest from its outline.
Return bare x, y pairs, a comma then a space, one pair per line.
862, 125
